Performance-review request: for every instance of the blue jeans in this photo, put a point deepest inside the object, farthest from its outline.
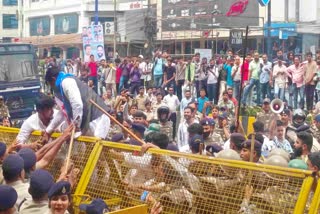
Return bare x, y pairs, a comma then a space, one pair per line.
297, 91
247, 90
157, 80
134, 88
310, 96
265, 91
278, 92
123, 82
212, 92
236, 89
290, 89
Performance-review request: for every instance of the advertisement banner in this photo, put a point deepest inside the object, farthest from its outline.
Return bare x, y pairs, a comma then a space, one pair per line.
235, 39
93, 42
66, 23
39, 26
204, 53
178, 15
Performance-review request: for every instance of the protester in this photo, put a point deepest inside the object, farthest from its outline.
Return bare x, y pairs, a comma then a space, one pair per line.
73, 99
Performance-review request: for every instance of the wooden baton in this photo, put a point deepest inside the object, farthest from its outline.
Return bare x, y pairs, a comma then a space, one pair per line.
117, 122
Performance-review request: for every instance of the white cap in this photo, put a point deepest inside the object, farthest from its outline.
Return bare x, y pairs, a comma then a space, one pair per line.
140, 56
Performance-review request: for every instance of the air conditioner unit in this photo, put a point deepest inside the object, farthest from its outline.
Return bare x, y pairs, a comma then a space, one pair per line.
109, 28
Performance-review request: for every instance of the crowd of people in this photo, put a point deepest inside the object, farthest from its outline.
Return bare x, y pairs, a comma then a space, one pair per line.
185, 105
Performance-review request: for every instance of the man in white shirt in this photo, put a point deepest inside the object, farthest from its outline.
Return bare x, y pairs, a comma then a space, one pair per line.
109, 73
73, 98
280, 79
212, 81
236, 77
143, 69
173, 102
183, 135
40, 120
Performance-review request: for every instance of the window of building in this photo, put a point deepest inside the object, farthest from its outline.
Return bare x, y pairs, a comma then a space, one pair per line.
9, 21
10, 2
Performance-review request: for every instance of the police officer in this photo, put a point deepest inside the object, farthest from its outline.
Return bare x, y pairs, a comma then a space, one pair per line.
298, 120
246, 151
8, 198
223, 128
315, 129
40, 183
59, 197
266, 116
13, 173
97, 206
4, 111
209, 136
3, 149
236, 139
30, 159
165, 125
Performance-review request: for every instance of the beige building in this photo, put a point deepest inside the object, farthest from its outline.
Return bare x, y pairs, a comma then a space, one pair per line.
10, 19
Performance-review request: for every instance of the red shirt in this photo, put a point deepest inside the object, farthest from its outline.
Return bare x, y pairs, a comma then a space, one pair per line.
93, 69
118, 74
245, 72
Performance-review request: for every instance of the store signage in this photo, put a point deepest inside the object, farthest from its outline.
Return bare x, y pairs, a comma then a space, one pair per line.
263, 3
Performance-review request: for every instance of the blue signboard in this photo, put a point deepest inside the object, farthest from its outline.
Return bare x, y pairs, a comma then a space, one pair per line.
282, 30
263, 2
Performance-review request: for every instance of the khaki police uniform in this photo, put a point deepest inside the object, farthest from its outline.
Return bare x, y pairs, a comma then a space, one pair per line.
114, 129
141, 100
4, 111
1, 175
32, 207
214, 138
167, 129
22, 191
266, 119
220, 131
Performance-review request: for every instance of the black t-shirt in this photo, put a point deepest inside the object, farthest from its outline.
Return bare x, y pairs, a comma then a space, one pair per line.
170, 71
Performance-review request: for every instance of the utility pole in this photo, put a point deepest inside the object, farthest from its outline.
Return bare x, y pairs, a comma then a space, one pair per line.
269, 30
150, 24
115, 29
96, 12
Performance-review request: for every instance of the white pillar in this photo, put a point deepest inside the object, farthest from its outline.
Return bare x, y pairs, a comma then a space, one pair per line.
51, 25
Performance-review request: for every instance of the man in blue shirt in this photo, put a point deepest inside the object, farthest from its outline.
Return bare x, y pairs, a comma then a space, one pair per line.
228, 68
158, 71
202, 99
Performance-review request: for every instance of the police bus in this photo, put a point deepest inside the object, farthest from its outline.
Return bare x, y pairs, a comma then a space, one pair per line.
19, 79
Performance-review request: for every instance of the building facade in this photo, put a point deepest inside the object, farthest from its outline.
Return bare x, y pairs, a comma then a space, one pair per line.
55, 26
10, 19
189, 25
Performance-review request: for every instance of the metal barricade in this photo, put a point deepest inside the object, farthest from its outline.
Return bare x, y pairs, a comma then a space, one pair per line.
81, 150
182, 183
185, 183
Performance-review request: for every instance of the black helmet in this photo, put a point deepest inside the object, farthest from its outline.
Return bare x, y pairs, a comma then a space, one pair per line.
161, 111
298, 114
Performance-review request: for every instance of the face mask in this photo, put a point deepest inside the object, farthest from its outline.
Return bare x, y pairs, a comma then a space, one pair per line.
206, 135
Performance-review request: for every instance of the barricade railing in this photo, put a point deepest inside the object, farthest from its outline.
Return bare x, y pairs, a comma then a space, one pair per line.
185, 183
81, 150
182, 183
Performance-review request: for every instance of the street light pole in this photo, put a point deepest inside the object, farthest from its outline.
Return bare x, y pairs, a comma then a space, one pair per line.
96, 12
115, 29
269, 30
